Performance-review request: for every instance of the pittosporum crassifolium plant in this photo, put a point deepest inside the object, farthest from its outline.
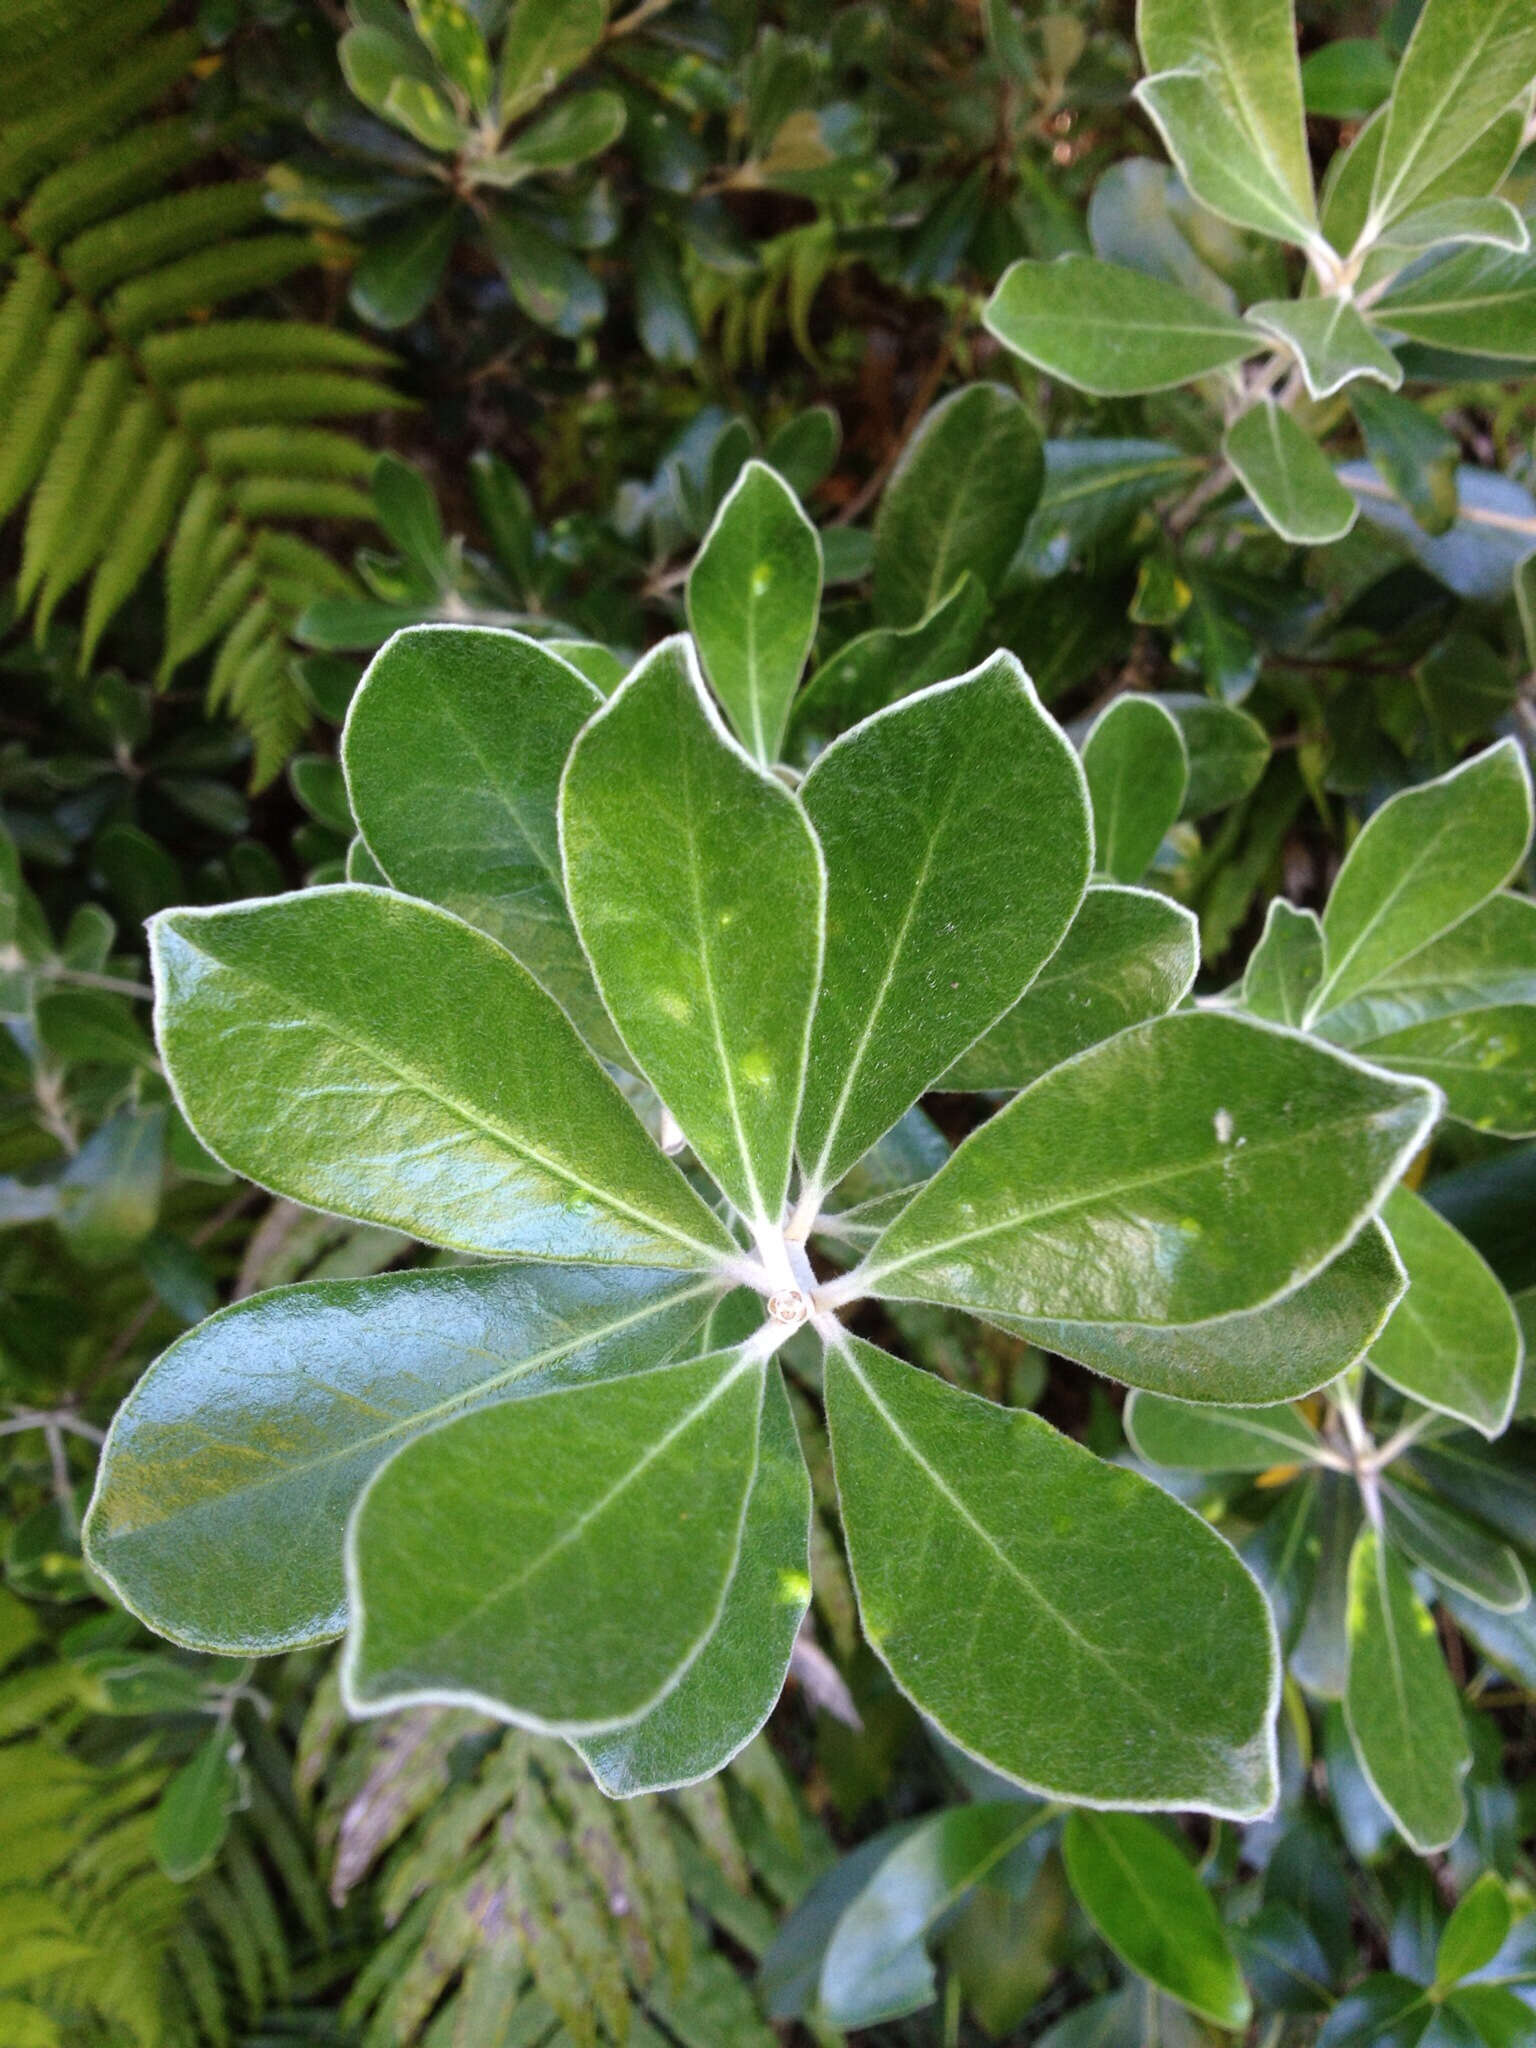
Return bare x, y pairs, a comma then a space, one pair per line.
558, 1477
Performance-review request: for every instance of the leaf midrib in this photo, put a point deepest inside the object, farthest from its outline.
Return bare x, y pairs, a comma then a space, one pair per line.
1345, 1127
423, 1419
403, 1071
1154, 1708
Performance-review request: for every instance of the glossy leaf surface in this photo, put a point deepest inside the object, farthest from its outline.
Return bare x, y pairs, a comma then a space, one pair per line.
731, 1688
754, 594
1402, 1709
959, 499
1285, 969
1484, 1060
1129, 955
1454, 1550
951, 1505
454, 748
876, 1966
888, 662
1454, 1341
1138, 772
1189, 1437
1479, 300
1330, 341
226, 1484
1141, 1893
1278, 1351
1226, 94
1486, 962
1112, 331
1466, 61
372, 1056
561, 1560
1197, 1207
957, 848
1426, 859
697, 891
1228, 751
1288, 476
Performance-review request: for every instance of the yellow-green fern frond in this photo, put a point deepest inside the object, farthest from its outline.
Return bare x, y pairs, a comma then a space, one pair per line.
142, 420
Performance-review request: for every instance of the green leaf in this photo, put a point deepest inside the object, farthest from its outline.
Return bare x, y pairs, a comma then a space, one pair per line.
1225, 95
452, 34
109, 1194
1138, 772
698, 894
423, 112
876, 1966
729, 1691
1347, 79
889, 662
1454, 1550
579, 128
1112, 331
1475, 1932
957, 848
1465, 63
372, 1056
550, 283
407, 510
1493, 222
231, 1468
1454, 1341
545, 40
754, 594
1194, 1166
1288, 476
192, 1818
454, 748
1387, 2011
1478, 170
1426, 859
1129, 955
1286, 967
1189, 1436
1402, 1710
558, 1561
1228, 751
1411, 451
1330, 341
1477, 299
1093, 489
952, 1506
1484, 1060
1279, 1351
1140, 1892
959, 499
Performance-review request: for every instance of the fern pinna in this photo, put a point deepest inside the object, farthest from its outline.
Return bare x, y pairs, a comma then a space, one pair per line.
138, 418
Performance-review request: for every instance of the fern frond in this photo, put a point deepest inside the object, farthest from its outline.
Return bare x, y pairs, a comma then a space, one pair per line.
237, 398
78, 193
196, 284
29, 299
139, 419
157, 232
298, 497
140, 536
54, 131
287, 451
42, 400
133, 445
525, 1906
65, 481
255, 344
